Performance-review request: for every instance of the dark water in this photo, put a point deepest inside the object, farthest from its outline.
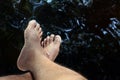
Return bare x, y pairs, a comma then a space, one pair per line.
90, 30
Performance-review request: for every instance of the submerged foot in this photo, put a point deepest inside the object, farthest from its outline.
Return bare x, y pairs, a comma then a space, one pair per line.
51, 46
32, 36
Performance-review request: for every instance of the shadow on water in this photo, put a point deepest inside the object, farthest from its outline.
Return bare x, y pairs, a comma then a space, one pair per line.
90, 30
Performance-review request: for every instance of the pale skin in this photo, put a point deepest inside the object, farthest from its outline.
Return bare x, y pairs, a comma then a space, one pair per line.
51, 53
38, 59
48, 45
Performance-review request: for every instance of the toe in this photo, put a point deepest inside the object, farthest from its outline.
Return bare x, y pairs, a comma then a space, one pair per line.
48, 40
42, 44
32, 24
57, 39
40, 36
52, 37
40, 30
37, 27
45, 42
41, 33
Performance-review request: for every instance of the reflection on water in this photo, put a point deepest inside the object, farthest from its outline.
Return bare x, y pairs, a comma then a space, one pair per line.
90, 31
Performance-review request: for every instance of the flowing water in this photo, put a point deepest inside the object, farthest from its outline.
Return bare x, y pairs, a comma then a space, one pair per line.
90, 31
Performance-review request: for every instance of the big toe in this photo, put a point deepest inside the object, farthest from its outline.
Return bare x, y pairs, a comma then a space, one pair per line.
32, 24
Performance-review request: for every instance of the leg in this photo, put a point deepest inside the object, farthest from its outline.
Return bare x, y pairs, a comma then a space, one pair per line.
25, 76
32, 58
50, 52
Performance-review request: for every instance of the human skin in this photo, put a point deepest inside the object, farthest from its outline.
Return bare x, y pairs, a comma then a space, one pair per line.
42, 71
32, 58
51, 52
25, 76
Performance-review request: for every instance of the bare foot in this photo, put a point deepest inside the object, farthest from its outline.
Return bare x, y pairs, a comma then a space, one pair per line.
32, 35
51, 46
